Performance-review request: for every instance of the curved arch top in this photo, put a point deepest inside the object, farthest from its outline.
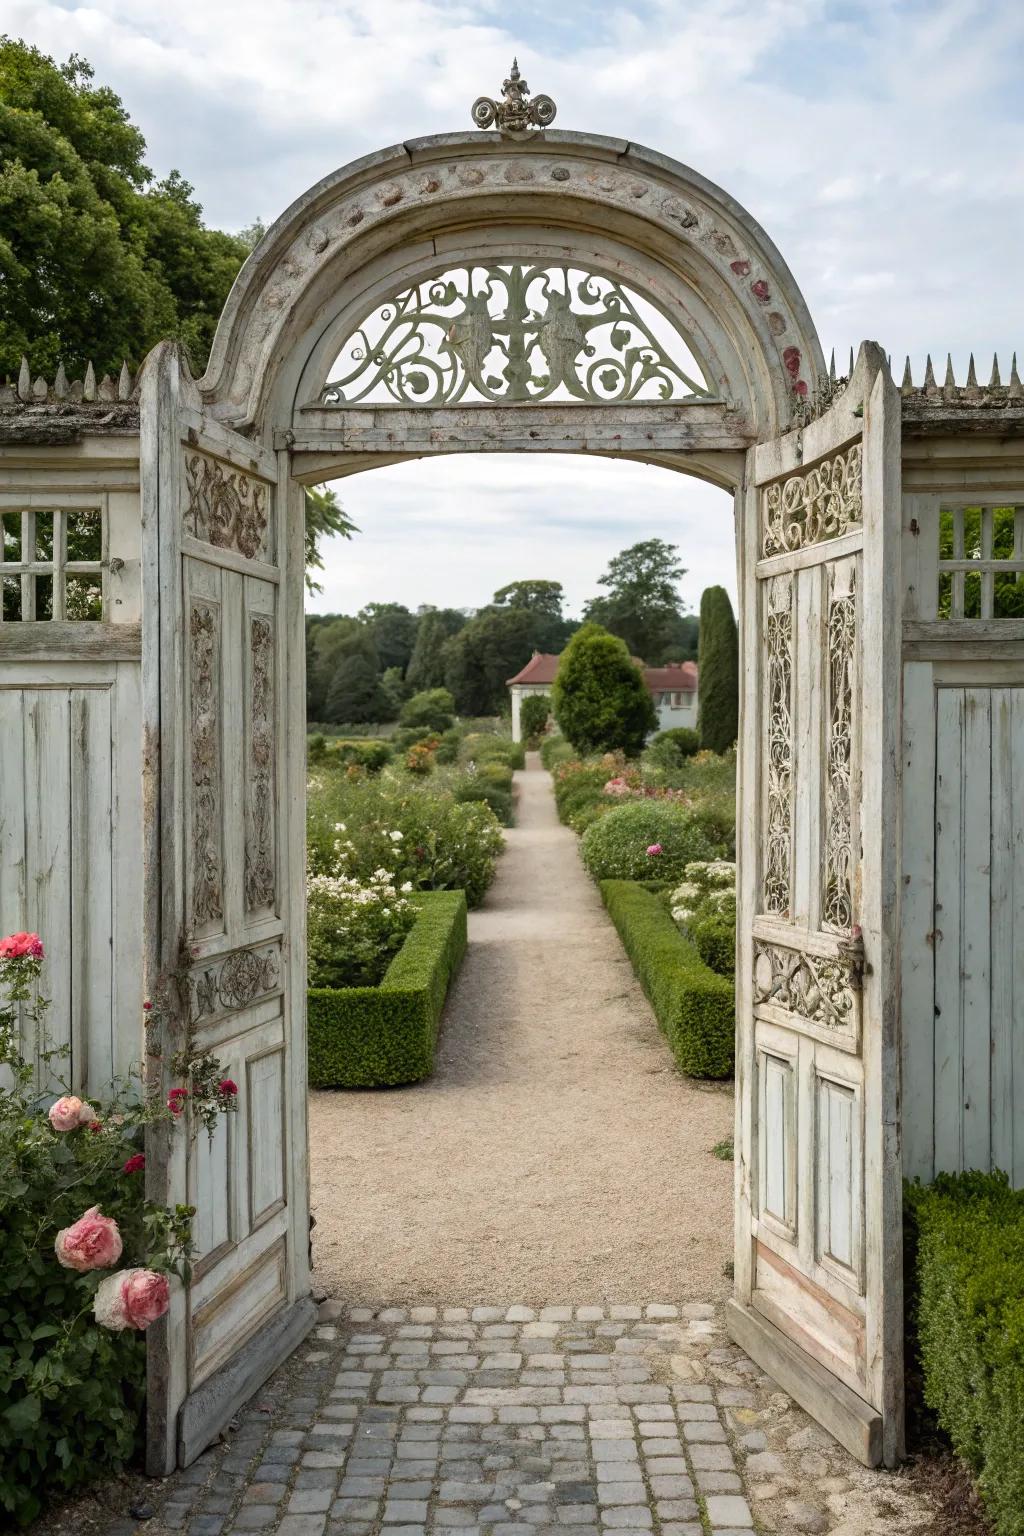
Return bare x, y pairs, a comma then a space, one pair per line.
410, 207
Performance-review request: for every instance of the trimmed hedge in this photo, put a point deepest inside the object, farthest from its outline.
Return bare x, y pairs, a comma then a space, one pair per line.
554, 750
376, 1037
695, 1008
966, 1239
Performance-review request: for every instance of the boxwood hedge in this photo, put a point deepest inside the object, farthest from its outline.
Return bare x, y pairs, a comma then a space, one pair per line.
966, 1252
695, 1008
376, 1037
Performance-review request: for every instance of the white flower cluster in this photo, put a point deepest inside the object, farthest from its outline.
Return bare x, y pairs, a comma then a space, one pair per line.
708, 883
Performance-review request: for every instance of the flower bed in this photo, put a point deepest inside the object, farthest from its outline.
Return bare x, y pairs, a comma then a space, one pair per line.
695, 1007
375, 1037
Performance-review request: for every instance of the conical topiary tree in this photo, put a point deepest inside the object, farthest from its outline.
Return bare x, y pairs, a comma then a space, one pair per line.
718, 661
599, 696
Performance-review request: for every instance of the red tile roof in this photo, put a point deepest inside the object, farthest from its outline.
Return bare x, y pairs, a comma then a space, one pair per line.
677, 677
540, 669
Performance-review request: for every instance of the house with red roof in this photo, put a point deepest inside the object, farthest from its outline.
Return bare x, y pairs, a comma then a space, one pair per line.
673, 688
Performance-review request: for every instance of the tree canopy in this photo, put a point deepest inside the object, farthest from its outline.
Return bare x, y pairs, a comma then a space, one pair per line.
719, 688
98, 260
599, 696
642, 605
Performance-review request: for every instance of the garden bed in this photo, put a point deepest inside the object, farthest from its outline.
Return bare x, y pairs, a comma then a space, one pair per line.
376, 1037
694, 1006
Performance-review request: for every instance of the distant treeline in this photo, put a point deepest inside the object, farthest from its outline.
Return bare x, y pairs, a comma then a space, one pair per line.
361, 669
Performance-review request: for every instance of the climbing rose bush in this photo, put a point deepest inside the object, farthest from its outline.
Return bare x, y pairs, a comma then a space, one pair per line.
86, 1262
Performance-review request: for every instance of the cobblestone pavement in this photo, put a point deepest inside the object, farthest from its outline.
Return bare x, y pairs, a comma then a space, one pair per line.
519, 1421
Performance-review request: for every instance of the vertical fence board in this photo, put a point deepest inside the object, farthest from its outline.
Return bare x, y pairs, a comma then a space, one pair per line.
91, 889
948, 1110
975, 985
918, 953
48, 850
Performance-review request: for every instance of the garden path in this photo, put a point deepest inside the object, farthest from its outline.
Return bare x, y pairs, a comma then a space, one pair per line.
556, 1152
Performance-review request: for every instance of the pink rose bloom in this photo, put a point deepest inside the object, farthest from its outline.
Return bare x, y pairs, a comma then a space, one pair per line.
654, 850
93, 1242
133, 1298
21, 946
69, 1112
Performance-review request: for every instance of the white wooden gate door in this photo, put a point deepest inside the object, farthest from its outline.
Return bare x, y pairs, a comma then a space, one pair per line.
818, 1298
224, 908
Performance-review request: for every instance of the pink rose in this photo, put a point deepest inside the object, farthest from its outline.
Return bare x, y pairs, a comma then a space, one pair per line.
135, 1164
133, 1298
227, 1088
176, 1100
654, 850
93, 1242
21, 946
70, 1112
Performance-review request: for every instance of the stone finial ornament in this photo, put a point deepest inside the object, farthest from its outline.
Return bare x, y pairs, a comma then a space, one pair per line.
515, 115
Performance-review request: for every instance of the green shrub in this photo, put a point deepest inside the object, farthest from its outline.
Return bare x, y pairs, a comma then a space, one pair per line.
694, 1007
495, 773
534, 713
555, 750
354, 928
713, 936
374, 1037
370, 755
486, 746
580, 785
412, 736
316, 747
499, 800
434, 709
448, 746
599, 696
615, 847
685, 741
967, 1242
718, 699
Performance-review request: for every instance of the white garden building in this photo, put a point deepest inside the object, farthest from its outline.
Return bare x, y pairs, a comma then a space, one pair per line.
673, 688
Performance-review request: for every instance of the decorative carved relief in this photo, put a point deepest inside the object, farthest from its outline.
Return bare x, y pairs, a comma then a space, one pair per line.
825, 992
778, 746
260, 881
837, 850
226, 507
819, 504
204, 696
236, 981
512, 333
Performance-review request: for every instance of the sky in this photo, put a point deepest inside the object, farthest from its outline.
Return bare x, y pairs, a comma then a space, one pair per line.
878, 143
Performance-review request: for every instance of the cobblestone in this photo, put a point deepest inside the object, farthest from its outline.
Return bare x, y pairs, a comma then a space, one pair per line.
667, 1443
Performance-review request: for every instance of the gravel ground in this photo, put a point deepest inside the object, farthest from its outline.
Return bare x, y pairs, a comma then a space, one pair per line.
556, 1152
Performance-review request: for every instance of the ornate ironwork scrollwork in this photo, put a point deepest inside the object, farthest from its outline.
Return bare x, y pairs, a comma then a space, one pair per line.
515, 114
778, 746
512, 333
819, 504
837, 850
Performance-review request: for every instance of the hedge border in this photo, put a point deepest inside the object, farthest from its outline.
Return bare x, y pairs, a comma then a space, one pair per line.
695, 1008
965, 1246
378, 1037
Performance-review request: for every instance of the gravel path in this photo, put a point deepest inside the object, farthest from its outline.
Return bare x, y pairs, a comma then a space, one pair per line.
556, 1152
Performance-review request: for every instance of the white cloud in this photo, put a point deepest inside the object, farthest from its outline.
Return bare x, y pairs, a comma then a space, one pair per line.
879, 145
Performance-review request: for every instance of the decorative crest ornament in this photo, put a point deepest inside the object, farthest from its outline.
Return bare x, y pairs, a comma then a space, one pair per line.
514, 116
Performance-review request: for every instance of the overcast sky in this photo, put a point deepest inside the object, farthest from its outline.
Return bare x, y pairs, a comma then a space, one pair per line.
878, 142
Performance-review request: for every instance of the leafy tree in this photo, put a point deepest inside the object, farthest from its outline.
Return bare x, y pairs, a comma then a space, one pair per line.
480, 659
355, 695
325, 518
434, 710
643, 602
718, 684
545, 597
534, 712
683, 640
97, 260
436, 627
329, 638
599, 696
394, 632
394, 689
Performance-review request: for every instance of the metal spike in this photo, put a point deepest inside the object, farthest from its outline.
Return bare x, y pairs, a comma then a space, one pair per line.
908, 378
1016, 388
929, 377
40, 389
60, 383
89, 383
832, 367
24, 381
107, 389
995, 382
124, 382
